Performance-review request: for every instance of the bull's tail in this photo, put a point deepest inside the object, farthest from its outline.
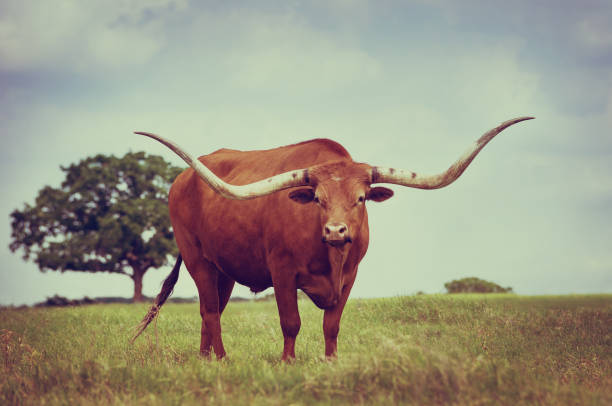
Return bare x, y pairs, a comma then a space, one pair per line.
161, 298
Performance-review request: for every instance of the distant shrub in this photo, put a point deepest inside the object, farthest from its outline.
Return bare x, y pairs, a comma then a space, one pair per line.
474, 285
58, 300
239, 299
268, 297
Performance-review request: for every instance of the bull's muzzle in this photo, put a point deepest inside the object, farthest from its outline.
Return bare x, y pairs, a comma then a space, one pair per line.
336, 234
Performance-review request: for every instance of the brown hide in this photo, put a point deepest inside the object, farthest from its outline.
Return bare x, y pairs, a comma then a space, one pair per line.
273, 240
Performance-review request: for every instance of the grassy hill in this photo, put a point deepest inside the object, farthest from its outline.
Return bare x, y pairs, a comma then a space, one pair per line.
459, 349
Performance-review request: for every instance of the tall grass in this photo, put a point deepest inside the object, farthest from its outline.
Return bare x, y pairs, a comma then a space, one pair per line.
459, 349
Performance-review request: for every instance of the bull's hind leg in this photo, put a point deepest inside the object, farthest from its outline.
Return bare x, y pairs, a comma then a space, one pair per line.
214, 289
226, 285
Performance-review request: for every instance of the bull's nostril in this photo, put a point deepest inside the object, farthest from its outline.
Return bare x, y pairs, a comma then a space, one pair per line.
327, 230
342, 230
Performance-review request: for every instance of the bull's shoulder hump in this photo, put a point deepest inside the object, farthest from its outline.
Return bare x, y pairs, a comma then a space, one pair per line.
316, 149
319, 144
225, 151
314, 145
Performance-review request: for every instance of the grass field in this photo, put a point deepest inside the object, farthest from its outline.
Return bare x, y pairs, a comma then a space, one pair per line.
457, 349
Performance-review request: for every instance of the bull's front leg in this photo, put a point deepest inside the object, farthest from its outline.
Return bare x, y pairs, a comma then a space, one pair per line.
331, 321
286, 300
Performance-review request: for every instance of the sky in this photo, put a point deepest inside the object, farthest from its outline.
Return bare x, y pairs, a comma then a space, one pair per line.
408, 84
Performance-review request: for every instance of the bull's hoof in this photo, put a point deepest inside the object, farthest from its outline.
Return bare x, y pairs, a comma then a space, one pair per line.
288, 359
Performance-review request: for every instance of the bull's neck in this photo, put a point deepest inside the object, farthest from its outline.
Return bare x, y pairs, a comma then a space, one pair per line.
337, 257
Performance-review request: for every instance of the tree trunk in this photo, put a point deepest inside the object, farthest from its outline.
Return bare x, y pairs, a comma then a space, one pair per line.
137, 277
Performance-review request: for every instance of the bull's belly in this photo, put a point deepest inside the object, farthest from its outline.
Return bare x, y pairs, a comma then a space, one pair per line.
248, 273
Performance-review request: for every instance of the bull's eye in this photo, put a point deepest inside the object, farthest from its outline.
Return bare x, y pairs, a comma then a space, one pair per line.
361, 199
316, 200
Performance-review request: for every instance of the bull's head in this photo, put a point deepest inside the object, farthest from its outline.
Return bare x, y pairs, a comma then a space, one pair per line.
339, 189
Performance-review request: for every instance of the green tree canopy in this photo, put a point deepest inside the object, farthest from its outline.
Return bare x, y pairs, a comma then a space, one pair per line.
474, 285
109, 215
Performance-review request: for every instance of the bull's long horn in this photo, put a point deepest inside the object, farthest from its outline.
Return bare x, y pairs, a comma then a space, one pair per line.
407, 178
263, 187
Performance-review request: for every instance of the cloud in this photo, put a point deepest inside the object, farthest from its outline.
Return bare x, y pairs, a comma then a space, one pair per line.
593, 34
293, 58
571, 42
77, 36
279, 51
259, 48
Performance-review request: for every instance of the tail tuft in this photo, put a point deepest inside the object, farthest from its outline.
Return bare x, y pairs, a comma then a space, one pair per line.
150, 316
161, 298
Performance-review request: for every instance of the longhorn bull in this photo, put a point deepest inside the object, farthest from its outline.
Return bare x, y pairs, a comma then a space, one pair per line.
290, 218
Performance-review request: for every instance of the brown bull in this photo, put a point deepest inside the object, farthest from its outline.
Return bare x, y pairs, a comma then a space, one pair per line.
306, 227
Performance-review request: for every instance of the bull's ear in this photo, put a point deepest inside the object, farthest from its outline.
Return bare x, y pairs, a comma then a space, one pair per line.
379, 194
303, 195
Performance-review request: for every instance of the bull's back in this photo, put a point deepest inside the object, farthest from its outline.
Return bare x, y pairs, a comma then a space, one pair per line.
241, 167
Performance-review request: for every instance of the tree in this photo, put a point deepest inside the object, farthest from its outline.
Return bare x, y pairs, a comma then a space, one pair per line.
109, 215
475, 285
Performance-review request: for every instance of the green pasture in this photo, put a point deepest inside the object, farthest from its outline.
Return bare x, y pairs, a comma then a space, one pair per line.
430, 349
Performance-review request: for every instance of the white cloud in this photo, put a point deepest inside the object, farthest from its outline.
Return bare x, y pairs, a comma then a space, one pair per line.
594, 32
281, 52
72, 35
117, 47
